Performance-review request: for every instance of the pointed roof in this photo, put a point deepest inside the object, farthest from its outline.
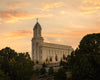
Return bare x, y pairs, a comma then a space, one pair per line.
37, 25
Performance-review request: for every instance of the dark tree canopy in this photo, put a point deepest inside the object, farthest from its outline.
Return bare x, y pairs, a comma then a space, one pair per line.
7, 52
51, 71
84, 62
90, 44
17, 66
60, 75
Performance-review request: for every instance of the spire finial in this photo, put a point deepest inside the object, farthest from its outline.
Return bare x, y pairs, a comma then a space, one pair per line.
37, 19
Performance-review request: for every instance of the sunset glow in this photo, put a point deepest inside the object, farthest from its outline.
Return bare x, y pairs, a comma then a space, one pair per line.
62, 21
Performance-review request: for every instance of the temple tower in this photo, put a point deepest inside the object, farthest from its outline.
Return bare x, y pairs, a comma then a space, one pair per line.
37, 40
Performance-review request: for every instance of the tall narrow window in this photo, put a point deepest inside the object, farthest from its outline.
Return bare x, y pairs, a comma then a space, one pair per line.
64, 57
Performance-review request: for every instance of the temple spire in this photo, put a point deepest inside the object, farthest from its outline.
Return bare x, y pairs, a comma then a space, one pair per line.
37, 19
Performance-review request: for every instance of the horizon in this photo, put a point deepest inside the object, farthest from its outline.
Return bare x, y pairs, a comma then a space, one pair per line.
63, 22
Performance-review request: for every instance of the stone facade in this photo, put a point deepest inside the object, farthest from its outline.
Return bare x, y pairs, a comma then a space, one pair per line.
47, 52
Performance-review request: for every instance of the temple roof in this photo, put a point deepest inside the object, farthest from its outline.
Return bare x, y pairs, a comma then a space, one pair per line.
56, 46
37, 25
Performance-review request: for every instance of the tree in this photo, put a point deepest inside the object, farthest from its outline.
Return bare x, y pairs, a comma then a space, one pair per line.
37, 71
42, 70
90, 44
8, 52
37, 62
4, 76
51, 71
43, 65
86, 62
83, 68
18, 66
60, 75
61, 62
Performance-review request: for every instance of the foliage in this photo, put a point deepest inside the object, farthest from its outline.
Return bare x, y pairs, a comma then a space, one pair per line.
42, 70
61, 62
90, 44
37, 71
3, 76
83, 68
85, 64
60, 75
51, 71
43, 65
37, 62
18, 66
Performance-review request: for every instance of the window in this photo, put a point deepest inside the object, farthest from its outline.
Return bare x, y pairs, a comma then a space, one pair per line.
56, 57
49, 51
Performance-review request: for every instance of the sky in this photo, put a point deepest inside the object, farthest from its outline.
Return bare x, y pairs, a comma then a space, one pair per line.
63, 21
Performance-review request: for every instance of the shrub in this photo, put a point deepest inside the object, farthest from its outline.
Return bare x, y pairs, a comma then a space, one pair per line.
51, 71
42, 70
60, 75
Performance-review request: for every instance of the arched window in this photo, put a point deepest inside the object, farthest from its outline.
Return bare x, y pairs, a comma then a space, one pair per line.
47, 59
50, 59
64, 57
49, 51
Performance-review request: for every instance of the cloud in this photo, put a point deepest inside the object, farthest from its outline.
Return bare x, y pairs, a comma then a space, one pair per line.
17, 4
47, 6
61, 34
64, 34
13, 16
90, 6
18, 34
29, 33
73, 33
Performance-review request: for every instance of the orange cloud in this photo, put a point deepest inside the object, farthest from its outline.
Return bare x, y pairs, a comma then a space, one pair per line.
74, 33
29, 33
60, 35
90, 6
47, 6
18, 34
13, 16
64, 33
17, 4
55, 34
